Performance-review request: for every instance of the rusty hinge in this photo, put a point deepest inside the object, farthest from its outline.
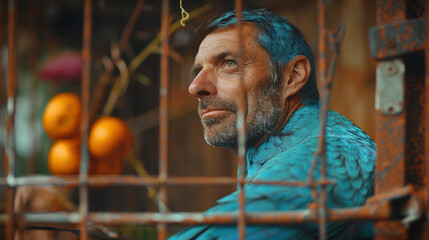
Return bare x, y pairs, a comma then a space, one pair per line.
389, 97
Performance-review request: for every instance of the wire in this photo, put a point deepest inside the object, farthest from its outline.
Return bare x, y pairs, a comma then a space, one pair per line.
185, 15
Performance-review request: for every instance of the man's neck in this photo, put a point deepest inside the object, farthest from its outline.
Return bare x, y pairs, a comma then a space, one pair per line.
290, 105
302, 124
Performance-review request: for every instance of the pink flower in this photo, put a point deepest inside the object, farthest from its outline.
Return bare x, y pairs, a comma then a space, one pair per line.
63, 68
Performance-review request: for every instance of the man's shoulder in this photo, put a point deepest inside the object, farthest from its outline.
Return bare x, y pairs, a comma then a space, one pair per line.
341, 130
344, 141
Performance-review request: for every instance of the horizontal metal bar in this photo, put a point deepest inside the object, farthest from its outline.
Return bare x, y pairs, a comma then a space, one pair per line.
379, 211
121, 180
50, 217
395, 39
370, 212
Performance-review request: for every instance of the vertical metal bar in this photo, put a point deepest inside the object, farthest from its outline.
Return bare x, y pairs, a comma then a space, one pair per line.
10, 122
2, 29
425, 233
85, 91
415, 100
390, 136
323, 112
163, 114
11, 92
323, 32
241, 126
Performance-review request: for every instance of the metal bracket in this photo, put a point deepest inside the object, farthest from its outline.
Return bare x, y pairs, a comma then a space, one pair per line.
405, 203
389, 96
395, 39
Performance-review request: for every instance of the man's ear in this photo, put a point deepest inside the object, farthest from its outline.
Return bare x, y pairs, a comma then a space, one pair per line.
295, 75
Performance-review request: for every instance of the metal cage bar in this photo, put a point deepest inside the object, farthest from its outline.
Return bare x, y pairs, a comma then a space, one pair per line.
163, 114
3, 13
85, 92
10, 122
390, 133
100, 181
241, 125
425, 223
322, 69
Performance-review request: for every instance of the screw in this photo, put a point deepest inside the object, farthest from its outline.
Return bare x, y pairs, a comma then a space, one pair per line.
391, 43
391, 69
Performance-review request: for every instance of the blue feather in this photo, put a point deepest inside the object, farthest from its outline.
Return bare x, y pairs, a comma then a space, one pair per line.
287, 156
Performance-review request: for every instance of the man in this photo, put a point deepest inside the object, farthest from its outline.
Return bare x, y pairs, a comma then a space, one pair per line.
282, 113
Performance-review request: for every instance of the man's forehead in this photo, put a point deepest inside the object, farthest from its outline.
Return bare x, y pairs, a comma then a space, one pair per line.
226, 39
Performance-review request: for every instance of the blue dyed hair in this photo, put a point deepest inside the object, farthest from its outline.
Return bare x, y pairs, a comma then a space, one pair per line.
282, 40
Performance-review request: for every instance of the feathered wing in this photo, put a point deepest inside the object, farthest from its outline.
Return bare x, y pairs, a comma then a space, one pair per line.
350, 162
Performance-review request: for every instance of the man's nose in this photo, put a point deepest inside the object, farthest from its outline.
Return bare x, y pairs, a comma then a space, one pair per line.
203, 85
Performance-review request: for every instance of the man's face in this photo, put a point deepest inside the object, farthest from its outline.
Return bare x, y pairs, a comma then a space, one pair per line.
217, 85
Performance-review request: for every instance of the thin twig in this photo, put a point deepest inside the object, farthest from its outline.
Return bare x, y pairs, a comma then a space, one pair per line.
106, 78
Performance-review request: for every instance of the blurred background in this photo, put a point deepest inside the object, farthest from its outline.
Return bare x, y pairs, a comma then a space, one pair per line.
49, 42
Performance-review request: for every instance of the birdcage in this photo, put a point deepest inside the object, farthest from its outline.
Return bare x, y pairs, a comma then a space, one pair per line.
399, 45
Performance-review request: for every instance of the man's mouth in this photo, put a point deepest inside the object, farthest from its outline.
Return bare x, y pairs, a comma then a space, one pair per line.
213, 112
214, 108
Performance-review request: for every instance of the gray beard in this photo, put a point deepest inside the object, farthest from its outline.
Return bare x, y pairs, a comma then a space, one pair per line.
219, 132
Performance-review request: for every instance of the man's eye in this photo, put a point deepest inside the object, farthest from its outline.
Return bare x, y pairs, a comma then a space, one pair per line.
230, 63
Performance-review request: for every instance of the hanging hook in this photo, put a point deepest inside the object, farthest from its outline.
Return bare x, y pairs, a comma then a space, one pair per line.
185, 15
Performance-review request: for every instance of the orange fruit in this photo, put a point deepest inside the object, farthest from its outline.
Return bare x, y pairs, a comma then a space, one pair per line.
109, 136
64, 157
62, 115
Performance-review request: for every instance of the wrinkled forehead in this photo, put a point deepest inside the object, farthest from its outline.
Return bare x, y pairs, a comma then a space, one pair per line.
227, 39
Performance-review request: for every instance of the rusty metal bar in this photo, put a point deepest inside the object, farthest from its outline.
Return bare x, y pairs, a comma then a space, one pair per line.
11, 93
378, 211
323, 33
241, 125
425, 234
325, 82
2, 34
10, 154
397, 38
378, 207
390, 136
85, 91
323, 114
105, 180
415, 100
163, 115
